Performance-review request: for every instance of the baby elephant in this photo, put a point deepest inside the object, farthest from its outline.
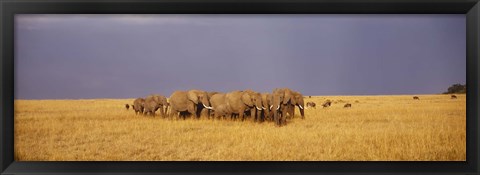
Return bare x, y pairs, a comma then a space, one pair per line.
127, 106
311, 104
138, 105
416, 98
221, 111
453, 97
348, 105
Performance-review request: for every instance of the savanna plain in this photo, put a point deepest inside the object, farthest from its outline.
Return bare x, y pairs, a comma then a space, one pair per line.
393, 128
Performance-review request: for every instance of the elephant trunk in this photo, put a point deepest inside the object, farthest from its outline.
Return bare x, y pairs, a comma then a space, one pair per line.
302, 112
258, 103
301, 106
166, 109
206, 103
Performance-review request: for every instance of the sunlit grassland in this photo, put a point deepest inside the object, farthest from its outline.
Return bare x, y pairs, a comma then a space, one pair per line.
375, 128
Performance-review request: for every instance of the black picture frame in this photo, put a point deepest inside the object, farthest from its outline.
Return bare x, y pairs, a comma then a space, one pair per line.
9, 8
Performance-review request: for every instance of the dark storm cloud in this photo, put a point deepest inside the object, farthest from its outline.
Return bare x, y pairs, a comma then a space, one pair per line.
123, 56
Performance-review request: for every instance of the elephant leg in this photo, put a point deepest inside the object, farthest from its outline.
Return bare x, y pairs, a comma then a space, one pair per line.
210, 114
266, 115
276, 118
258, 113
162, 113
261, 115
215, 115
279, 118
253, 114
181, 115
165, 111
192, 110
241, 115
283, 118
198, 111
198, 114
173, 114
152, 113
269, 115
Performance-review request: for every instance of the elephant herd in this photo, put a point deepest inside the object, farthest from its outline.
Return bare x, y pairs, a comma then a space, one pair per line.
240, 105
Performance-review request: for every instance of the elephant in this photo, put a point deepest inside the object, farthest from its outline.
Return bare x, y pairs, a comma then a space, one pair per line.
416, 98
127, 106
240, 101
155, 102
267, 101
348, 105
453, 97
210, 95
192, 101
216, 100
283, 100
222, 111
297, 102
255, 112
138, 105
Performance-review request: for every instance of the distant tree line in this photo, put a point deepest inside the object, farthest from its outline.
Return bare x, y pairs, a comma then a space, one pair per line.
457, 89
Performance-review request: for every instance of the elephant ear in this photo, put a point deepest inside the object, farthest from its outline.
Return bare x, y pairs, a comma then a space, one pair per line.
296, 99
192, 95
247, 99
158, 99
287, 97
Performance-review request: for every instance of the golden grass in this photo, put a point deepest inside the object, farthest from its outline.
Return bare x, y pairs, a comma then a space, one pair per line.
375, 128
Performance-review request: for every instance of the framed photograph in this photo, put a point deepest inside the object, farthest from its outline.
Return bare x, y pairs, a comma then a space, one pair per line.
269, 86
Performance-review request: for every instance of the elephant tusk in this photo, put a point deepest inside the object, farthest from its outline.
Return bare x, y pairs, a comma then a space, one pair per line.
259, 108
278, 107
271, 106
207, 107
263, 107
300, 106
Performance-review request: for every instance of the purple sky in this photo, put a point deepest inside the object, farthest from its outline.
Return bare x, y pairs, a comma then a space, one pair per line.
126, 56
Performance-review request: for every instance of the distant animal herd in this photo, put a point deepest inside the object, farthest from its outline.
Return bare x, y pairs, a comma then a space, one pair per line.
260, 107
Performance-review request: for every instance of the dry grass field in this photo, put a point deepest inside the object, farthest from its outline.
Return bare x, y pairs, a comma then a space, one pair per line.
394, 128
